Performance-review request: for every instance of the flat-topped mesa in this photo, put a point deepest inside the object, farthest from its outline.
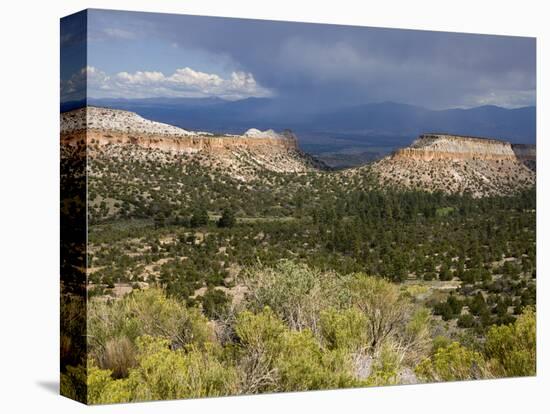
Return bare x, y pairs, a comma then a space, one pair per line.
460, 164
456, 147
103, 126
116, 120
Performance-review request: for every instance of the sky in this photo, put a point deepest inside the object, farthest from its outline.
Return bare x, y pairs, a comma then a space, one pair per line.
142, 55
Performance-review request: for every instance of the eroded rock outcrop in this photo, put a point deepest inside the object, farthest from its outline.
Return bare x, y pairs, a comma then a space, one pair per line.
460, 164
110, 133
453, 147
103, 126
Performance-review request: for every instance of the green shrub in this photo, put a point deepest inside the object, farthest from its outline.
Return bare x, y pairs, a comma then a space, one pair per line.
344, 329
215, 303
144, 312
451, 363
511, 349
227, 219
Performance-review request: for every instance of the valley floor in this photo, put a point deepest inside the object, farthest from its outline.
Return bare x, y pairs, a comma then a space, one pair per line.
202, 283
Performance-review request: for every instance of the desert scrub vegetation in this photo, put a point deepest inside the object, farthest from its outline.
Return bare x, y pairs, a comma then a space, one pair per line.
151, 346
508, 351
297, 328
296, 281
484, 248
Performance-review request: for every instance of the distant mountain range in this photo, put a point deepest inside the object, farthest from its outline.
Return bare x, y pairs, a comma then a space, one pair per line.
374, 128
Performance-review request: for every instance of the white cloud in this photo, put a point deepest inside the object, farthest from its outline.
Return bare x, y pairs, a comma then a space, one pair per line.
139, 78
74, 88
184, 82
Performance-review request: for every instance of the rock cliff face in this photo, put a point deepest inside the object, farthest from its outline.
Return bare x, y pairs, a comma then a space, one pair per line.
110, 133
460, 164
451, 147
102, 126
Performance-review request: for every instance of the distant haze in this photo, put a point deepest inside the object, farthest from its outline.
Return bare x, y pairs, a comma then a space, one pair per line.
377, 128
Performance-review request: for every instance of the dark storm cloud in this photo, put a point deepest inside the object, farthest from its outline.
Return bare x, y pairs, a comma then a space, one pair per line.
314, 64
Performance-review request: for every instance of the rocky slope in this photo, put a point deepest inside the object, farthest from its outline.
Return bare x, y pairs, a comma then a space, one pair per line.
459, 164
121, 133
527, 154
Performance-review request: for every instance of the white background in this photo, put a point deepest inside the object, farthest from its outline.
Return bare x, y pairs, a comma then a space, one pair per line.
29, 193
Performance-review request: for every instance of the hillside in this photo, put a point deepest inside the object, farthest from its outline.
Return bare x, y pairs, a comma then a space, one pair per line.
458, 164
138, 167
131, 147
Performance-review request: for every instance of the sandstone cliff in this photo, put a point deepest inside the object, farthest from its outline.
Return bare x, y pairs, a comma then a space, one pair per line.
460, 164
103, 126
110, 132
452, 147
